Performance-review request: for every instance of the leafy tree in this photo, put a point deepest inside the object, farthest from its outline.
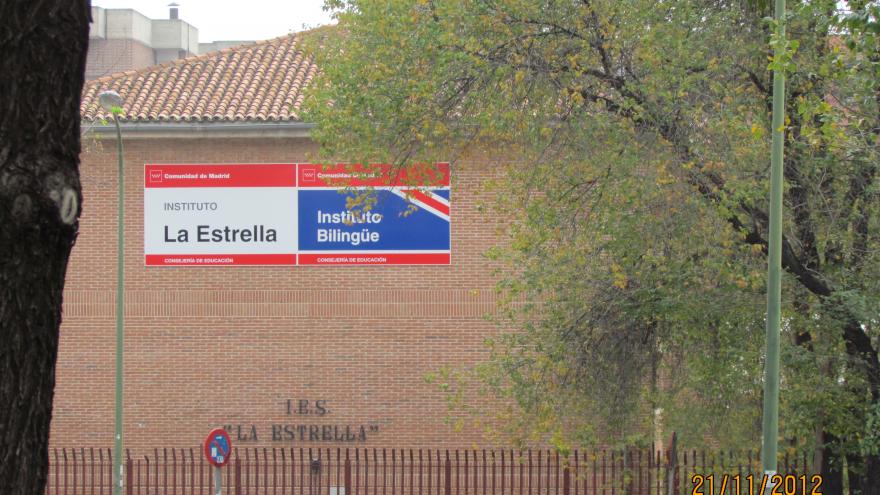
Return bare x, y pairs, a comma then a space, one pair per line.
638, 136
43, 46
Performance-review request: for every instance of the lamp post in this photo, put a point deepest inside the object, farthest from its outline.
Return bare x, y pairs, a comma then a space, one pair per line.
774, 266
112, 102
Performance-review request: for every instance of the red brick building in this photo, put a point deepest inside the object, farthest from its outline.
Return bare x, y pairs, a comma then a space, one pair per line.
281, 355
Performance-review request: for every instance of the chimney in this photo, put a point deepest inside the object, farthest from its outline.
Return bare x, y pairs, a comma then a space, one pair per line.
173, 12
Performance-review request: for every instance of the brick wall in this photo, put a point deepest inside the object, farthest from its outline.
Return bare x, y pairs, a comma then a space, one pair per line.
110, 56
216, 346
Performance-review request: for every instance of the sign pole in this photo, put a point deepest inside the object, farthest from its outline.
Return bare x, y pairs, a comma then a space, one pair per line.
218, 481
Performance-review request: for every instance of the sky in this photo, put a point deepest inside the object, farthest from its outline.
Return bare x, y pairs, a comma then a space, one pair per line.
233, 20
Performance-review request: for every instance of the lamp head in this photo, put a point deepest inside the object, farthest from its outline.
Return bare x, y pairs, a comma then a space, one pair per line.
110, 100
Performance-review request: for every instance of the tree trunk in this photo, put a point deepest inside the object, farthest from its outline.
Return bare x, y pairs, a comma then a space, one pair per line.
864, 471
870, 475
832, 466
862, 474
42, 64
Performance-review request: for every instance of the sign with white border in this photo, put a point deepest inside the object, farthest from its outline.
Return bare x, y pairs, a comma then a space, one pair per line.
294, 214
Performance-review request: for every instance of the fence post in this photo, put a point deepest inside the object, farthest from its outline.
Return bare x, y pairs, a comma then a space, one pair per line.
128, 473
566, 479
672, 470
347, 475
237, 475
448, 475
57, 485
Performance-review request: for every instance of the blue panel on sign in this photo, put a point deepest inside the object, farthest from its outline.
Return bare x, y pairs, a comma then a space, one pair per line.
323, 217
219, 448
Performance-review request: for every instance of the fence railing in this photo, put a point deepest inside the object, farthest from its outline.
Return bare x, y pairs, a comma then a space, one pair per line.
313, 471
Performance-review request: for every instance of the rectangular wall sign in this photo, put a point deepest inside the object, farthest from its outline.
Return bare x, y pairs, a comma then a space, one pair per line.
295, 214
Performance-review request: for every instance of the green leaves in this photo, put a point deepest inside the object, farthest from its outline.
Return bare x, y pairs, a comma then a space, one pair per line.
783, 48
637, 140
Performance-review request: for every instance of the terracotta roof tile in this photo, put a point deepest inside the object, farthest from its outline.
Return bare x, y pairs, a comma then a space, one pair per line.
257, 82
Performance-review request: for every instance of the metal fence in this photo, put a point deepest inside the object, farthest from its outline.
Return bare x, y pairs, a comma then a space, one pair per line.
314, 471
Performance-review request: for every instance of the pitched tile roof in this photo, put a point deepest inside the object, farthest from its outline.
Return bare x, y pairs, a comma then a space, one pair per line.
251, 83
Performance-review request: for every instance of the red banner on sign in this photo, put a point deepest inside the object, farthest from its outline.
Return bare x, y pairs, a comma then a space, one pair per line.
315, 175
237, 175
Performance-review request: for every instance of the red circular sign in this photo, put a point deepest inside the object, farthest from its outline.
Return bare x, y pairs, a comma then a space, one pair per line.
218, 447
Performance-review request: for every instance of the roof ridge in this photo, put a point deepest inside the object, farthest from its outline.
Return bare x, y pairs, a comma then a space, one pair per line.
193, 58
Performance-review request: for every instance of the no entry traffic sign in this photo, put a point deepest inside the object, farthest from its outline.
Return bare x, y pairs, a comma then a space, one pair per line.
218, 447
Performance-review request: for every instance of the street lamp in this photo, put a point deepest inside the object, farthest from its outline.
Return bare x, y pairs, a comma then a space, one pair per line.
112, 102
770, 420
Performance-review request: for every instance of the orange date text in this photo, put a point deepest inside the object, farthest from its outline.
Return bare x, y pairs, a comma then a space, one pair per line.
777, 484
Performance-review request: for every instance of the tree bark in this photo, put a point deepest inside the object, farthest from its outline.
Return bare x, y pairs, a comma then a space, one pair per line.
864, 472
42, 65
869, 479
832, 469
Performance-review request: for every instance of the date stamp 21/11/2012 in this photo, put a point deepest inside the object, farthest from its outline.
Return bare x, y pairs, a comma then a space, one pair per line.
776, 484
